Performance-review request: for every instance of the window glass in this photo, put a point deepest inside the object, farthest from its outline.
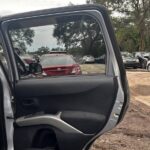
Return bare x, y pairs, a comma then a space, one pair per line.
58, 46
54, 60
3, 58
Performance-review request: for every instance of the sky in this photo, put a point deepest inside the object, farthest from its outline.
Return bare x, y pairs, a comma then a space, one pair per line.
15, 6
44, 37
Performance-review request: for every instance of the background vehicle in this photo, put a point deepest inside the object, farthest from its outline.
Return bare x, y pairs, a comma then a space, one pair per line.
61, 112
148, 65
27, 58
100, 59
59, 64
88, 59
143, 58
129, 60
146, 55
58, 52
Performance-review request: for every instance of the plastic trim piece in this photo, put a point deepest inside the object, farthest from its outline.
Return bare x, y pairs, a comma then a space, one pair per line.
52, 120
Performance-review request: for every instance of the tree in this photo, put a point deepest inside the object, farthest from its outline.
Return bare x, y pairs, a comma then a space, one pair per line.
80, 35
42, 50
135, 12
21, 38
127, 38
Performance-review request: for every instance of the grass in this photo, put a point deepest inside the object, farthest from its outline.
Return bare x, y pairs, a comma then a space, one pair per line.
92, 68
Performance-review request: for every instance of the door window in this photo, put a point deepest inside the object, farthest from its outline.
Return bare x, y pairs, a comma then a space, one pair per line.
59, 46
3, 58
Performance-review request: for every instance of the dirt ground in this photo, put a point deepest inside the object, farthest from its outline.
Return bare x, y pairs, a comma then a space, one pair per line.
133, 133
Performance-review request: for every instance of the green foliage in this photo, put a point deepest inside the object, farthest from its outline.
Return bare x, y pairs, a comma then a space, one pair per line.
42, 50
21, 38
82, 36
133, 27
128, 39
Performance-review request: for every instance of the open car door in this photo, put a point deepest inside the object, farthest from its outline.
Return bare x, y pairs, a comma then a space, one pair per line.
71, 101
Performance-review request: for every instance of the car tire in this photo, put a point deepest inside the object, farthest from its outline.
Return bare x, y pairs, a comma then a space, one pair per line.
148, 68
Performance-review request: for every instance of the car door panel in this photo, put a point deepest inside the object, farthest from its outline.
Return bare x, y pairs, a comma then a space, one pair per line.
76, 99
87, 122
35, 135
68, 112
67, 92
80, 102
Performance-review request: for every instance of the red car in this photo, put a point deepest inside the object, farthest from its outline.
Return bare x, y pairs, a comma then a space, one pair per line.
59, 64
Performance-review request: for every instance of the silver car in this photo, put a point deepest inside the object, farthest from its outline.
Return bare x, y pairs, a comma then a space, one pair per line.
88, 59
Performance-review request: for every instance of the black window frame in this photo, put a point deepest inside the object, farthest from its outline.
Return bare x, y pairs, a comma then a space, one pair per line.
81, 12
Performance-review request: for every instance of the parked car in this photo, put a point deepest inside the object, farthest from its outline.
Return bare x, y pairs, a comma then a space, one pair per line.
129, 60
100, 59
143, 58
88, 59
65, 112
148, 65
148, 62
137, 54
146, 54
59, 64
27, 58
58, 52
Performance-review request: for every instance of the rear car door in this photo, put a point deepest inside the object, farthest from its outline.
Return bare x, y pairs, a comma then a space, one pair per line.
76, 101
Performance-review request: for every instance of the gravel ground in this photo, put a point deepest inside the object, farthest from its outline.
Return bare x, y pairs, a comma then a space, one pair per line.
133, 133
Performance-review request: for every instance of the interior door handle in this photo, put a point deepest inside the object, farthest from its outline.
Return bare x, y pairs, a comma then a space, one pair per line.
30, 102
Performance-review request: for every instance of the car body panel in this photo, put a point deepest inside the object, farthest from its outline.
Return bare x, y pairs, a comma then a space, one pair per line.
88, 59
59, 64
129, 60
143, 58
148, 65
62, 70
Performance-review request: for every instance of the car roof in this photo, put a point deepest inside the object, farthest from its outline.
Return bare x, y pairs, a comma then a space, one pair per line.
53, 10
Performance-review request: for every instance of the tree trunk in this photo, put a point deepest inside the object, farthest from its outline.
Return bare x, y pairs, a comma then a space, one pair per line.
142, 37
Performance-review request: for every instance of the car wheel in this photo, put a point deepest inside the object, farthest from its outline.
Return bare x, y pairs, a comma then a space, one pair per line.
148, 68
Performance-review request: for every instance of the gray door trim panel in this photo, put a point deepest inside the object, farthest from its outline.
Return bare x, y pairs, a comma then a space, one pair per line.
46, 119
